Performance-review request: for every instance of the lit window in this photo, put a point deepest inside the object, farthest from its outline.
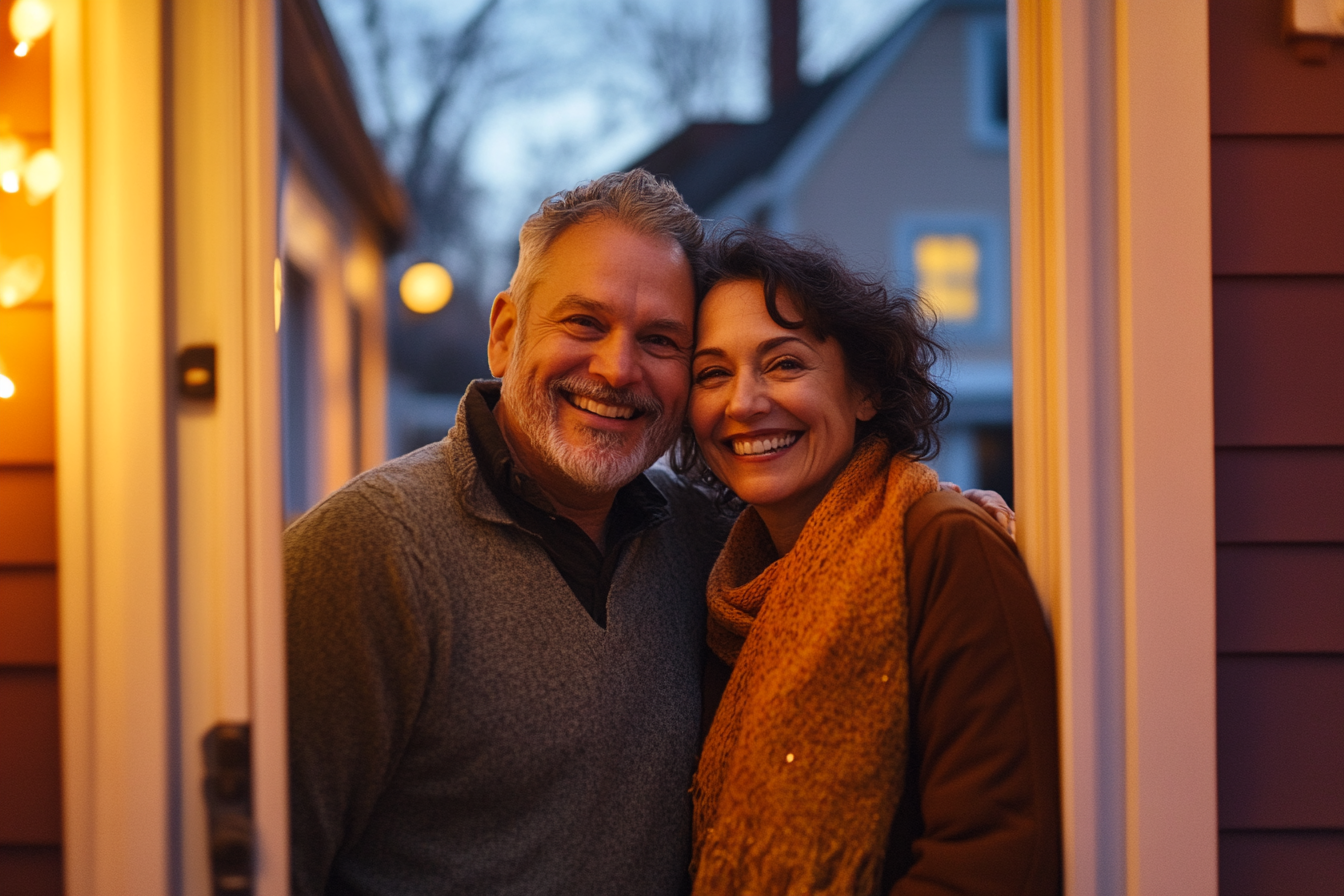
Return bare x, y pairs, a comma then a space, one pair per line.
947, 275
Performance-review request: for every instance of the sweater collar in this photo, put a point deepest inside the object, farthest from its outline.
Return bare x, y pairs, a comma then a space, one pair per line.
639, 505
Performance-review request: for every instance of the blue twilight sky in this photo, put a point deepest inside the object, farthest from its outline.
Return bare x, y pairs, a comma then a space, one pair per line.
593, 105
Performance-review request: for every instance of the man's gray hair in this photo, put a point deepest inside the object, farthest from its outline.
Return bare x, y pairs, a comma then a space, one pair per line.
644, 203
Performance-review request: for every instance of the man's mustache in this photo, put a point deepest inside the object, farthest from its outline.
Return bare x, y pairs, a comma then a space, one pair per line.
574, 385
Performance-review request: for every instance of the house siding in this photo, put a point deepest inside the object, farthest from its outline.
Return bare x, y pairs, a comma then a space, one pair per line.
1277, 161
30, 769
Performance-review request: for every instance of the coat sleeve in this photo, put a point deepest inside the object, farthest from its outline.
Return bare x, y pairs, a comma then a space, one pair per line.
980, 814
358, 663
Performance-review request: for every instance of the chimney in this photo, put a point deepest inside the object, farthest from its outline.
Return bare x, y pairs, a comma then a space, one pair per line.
784, 82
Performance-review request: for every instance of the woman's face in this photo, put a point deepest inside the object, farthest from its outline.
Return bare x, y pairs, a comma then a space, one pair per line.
774, 410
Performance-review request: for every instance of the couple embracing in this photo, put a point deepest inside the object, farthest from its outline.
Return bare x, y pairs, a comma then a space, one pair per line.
529, 660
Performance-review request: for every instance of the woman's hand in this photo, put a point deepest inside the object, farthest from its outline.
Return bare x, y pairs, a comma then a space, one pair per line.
991, 502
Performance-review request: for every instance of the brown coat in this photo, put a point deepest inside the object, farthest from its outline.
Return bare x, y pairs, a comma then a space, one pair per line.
980, 809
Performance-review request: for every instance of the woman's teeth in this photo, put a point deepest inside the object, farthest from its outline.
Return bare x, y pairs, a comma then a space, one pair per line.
746, 447
602, 410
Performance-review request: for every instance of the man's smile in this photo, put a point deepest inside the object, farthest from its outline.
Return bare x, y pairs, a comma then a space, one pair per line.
610, 411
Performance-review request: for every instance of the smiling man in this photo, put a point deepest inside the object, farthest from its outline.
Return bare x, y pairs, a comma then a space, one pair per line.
495, 641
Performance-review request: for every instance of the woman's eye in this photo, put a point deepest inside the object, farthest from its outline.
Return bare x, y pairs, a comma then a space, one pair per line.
787, 364
709, 374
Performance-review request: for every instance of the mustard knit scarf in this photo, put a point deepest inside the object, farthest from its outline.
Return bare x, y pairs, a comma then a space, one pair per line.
805, 762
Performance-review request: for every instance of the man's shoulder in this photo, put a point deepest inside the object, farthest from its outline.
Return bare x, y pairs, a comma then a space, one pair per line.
407, 491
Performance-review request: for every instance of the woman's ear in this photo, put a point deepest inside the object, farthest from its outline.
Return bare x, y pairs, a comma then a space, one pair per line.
867, 409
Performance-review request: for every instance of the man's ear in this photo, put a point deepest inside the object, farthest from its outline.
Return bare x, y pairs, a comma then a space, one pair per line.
503, 332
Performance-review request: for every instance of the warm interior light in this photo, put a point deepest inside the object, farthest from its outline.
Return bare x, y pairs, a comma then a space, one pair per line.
19, 279
948, 271
6, 387
9, 181
29, 20
426, 287
41, 175
21, 49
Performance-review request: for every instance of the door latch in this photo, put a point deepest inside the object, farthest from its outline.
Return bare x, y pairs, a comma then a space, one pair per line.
228, 800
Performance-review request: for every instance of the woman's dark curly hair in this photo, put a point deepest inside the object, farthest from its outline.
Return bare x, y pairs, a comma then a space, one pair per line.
886, 334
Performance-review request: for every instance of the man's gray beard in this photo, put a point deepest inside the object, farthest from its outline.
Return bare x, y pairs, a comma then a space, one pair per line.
604, 464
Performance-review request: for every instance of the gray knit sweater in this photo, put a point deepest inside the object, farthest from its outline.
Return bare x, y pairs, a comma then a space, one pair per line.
458, 722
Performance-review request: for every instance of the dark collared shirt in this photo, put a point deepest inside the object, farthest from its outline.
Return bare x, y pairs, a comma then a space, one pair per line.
583, 565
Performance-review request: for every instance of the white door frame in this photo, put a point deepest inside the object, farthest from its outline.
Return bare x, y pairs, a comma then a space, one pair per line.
1113, 422
171, 594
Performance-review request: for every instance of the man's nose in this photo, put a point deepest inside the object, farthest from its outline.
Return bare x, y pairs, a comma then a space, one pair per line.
750, 398
616, 360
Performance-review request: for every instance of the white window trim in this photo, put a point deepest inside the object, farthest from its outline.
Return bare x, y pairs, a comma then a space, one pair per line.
1113, 414
131, 786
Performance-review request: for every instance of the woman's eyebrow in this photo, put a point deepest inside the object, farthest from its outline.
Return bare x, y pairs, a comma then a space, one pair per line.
768, 345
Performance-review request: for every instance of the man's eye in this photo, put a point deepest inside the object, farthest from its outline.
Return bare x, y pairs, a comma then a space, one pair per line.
584, 321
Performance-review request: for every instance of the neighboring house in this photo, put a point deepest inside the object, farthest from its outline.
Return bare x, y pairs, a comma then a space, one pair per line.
901, 160
341, 213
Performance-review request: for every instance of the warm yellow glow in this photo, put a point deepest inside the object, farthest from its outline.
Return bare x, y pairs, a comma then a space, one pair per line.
29, 20
426, 287
6, 387
41, 175
21, 49
196, 376
278, 275
12, 153
19, 279
948, 271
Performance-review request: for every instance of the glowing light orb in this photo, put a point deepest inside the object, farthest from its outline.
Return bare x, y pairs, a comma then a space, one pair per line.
41, 175
20, 279
426, 287
29, 20
6, 387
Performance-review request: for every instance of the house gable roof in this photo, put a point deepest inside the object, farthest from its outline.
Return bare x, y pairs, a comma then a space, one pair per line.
710, 161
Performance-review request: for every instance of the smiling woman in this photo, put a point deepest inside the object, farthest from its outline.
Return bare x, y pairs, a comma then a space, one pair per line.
890, 714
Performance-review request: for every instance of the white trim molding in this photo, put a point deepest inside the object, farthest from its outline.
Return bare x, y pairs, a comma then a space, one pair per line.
165, 117
1113, 413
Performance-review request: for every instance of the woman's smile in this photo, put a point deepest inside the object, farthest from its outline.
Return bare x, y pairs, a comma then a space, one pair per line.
774, 409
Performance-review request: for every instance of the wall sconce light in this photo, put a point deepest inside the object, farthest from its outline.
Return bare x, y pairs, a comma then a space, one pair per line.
29, 20
1310, 26
426, 287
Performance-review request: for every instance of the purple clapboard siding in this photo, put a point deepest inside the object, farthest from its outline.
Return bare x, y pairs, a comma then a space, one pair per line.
1277, 343
1277, 205
1275, 863
1281, 598
1280, 742
1257, 87
1280, 494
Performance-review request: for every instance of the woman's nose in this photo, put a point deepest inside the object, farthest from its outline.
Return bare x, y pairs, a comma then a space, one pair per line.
748, 399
